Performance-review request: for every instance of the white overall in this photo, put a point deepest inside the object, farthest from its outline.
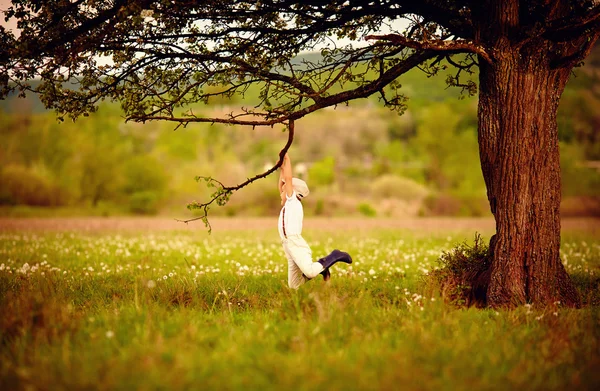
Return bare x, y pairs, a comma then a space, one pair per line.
301, 268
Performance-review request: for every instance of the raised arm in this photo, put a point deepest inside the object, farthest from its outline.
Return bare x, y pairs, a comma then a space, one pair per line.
286, 173
280, 182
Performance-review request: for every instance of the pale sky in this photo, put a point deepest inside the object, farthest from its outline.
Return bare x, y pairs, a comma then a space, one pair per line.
4, 5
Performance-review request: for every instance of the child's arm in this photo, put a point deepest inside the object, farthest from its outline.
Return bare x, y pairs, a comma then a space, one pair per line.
286, 173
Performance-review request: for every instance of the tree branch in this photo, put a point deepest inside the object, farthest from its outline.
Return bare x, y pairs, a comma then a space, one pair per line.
362, 91
570, 27
221, 196
435, 44
578, 56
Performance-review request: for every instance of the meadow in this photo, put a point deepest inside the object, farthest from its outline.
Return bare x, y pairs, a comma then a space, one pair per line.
181, 309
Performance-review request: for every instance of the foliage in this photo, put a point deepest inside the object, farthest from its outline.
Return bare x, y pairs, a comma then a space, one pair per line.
577, 179
23, 186
448, 204
367, 210
322, 173
144, 202
448, 146
144, 173
392, 186
168, 160
578, 114
464, 274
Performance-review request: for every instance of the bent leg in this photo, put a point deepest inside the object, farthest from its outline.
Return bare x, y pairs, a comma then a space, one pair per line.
302, 255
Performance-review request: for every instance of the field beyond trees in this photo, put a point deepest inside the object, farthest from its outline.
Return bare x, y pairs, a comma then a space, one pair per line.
147, 304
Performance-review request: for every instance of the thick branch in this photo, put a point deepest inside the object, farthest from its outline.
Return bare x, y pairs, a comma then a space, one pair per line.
333, 100
578, 56
569, 27
435, 44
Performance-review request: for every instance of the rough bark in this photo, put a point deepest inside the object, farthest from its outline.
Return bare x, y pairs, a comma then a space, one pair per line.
519, 150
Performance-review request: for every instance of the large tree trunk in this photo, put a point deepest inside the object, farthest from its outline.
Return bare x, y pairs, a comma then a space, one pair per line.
518, 146
518, 141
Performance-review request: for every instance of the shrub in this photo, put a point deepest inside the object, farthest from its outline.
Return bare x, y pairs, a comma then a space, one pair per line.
322, 172
320, 207
145, 174
21, 186
366, 210
144, 202
464, 274
393, 186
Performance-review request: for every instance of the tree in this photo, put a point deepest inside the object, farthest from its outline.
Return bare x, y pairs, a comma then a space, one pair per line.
159, 58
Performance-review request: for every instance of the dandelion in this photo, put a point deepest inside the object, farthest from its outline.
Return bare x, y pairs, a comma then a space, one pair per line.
110, 334
165, 277
150, 284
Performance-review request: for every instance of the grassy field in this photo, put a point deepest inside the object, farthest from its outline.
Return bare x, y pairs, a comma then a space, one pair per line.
180, 309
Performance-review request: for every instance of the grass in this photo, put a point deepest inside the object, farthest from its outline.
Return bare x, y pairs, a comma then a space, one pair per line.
184, 310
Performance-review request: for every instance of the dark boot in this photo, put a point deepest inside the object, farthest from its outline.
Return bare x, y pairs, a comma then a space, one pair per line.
335, 256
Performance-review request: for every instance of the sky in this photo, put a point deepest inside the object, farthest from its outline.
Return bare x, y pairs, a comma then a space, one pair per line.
4, 5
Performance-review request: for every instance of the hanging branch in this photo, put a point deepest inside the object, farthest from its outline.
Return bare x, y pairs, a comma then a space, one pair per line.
223, 193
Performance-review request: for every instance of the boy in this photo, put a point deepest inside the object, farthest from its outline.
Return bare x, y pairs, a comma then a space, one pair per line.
301, 268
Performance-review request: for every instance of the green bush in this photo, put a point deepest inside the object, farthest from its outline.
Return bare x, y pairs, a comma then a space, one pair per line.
576, 178
464, 274
144, 202
144, 173
322, 172
319, 207
393, 186
366, 210
22, 186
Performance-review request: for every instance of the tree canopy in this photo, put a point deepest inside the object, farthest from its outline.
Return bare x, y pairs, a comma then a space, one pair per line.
158, 57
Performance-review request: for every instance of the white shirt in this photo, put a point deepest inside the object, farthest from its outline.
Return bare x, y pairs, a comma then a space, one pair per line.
294, 214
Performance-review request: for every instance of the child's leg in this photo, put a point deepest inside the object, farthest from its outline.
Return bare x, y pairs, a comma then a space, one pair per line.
295, 276
302, 256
